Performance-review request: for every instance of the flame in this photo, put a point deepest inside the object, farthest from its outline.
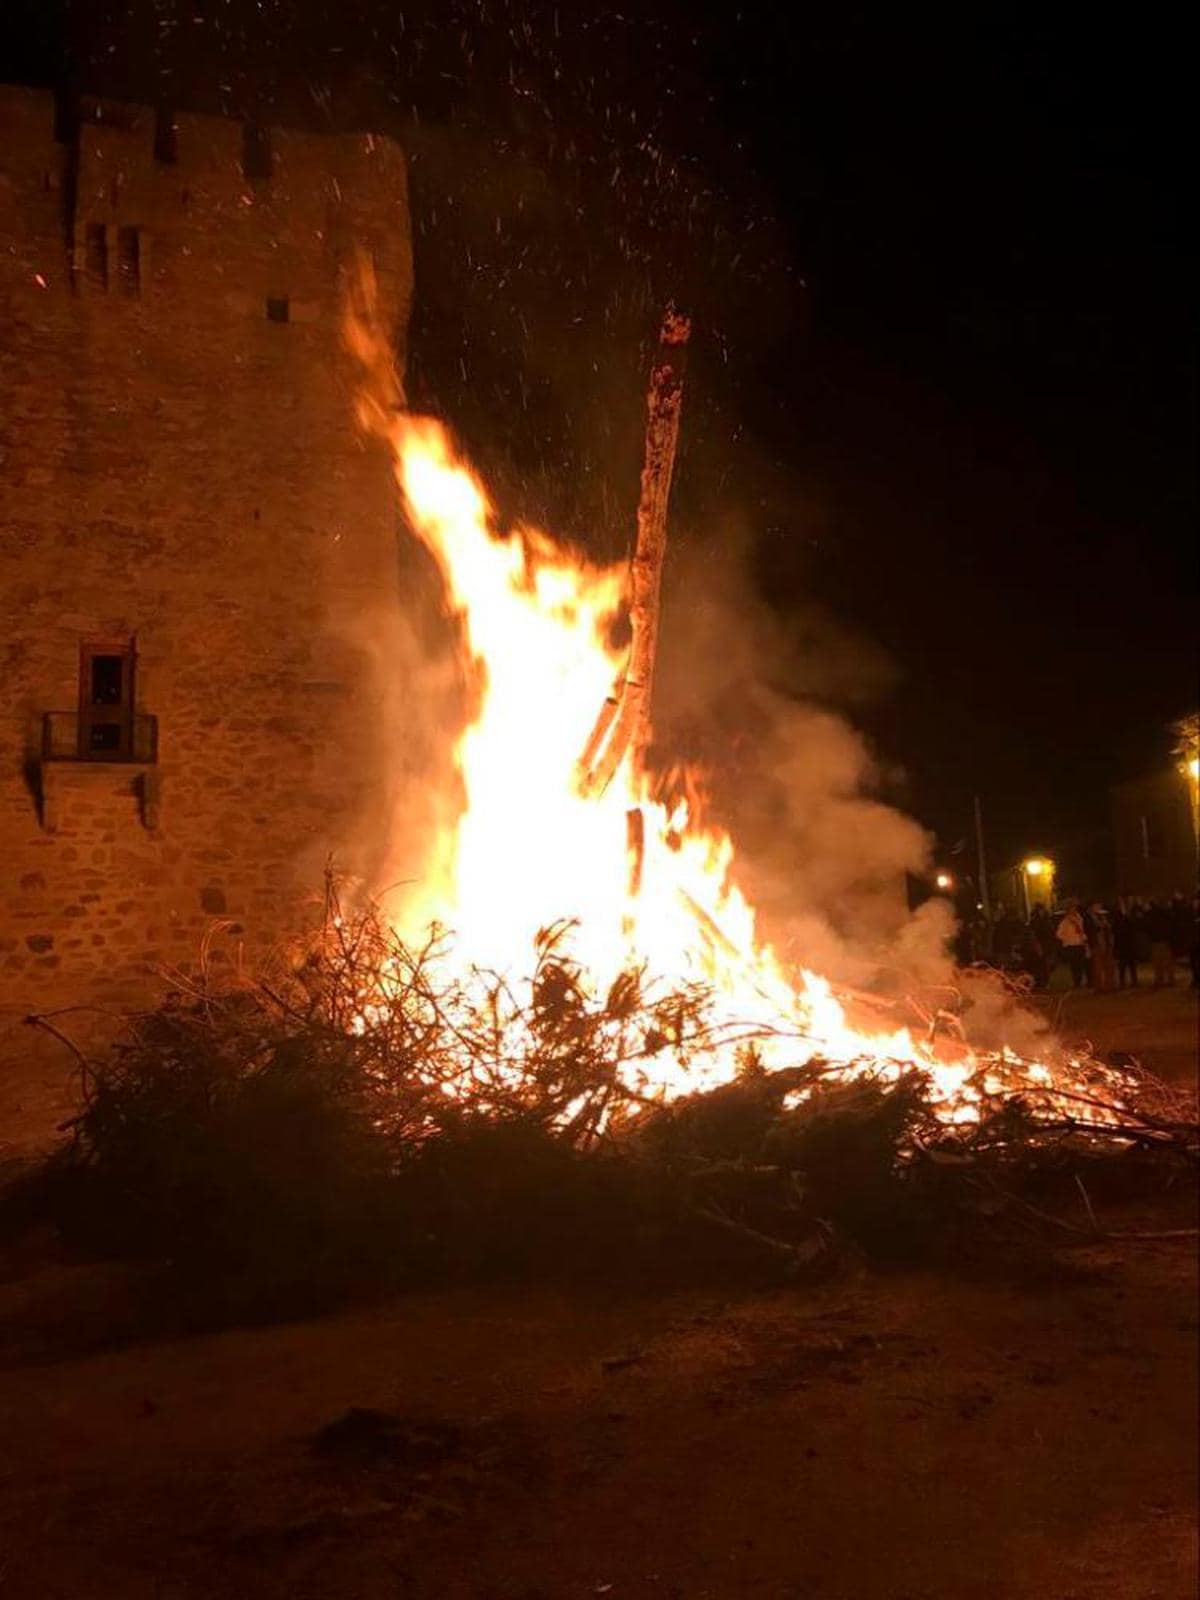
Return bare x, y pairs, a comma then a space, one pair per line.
539, 628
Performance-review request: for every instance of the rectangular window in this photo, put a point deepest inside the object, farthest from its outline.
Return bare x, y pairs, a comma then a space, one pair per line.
66, 116
279, 309
107, 686
96, 254
106, 699
256, 151
129, 260
165, 149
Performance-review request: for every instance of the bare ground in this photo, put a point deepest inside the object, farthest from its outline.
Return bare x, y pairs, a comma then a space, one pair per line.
1156, 1025
911, 1435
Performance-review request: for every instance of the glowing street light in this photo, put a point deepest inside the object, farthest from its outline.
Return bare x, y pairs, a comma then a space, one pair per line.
944, 880
1190, 767
1037, 874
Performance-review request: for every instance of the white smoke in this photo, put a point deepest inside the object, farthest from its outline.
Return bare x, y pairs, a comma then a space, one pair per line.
750, 692
755, 692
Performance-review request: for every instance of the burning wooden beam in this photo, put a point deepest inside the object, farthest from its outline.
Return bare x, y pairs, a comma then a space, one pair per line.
664, 404
624, 719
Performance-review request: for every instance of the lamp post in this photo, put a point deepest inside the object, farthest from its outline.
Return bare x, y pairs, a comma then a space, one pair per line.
1187, 753
1036, 871
985, 902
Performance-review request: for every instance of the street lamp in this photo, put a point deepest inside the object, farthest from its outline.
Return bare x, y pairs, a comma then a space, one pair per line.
1191, 767
944, 881
1036, 870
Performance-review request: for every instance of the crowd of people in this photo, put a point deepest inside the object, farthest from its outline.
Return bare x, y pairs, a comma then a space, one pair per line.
1103, 947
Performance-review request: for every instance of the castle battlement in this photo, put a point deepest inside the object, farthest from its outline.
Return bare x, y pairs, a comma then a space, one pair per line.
196, 209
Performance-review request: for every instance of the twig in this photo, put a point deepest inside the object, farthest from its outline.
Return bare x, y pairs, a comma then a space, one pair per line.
797, 1255
1094, 1232
86, 1071
1087, 1203
1159, 1233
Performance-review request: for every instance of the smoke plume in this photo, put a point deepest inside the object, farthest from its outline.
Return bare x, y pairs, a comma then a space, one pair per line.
750, 691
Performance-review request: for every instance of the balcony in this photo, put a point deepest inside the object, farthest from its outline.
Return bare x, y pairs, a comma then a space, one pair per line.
129, 742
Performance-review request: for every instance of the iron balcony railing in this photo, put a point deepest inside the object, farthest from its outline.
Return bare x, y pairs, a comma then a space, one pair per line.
135, 740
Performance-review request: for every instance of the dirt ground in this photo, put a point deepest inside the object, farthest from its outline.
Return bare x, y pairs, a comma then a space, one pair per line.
879, 1436
1156, 1025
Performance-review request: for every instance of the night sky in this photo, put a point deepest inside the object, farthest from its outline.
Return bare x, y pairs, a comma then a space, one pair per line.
944, 354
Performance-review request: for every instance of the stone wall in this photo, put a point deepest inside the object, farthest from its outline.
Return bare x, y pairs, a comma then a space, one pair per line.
180, 468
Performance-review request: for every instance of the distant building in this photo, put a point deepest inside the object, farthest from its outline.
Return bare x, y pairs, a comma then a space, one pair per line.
1154, 835
191, 530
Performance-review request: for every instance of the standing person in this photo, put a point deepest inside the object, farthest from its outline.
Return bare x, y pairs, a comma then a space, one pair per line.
1041, 925
1181, 927
1042, 928
1032, 959
1007, 933
1162, 957
1072, 939
1125, 943
1141, 910
1100, 943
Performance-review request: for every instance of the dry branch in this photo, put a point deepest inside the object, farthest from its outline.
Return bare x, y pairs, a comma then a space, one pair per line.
413, 1057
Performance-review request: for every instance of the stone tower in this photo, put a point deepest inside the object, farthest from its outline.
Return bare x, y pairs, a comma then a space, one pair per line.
193, 539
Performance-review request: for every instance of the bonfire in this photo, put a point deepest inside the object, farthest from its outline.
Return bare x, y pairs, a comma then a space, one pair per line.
564, 826
574, 963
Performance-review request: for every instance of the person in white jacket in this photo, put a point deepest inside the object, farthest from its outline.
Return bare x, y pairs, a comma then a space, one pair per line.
1072, 936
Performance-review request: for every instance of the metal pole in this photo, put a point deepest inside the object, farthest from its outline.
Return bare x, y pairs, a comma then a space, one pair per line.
983, 882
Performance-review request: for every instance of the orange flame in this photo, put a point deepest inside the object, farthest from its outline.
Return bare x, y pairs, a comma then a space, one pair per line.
530, 849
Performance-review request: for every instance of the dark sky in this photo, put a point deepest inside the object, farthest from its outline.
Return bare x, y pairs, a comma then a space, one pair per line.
944, 354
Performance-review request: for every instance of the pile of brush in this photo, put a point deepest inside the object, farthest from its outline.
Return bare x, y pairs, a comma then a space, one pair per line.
368, 1113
